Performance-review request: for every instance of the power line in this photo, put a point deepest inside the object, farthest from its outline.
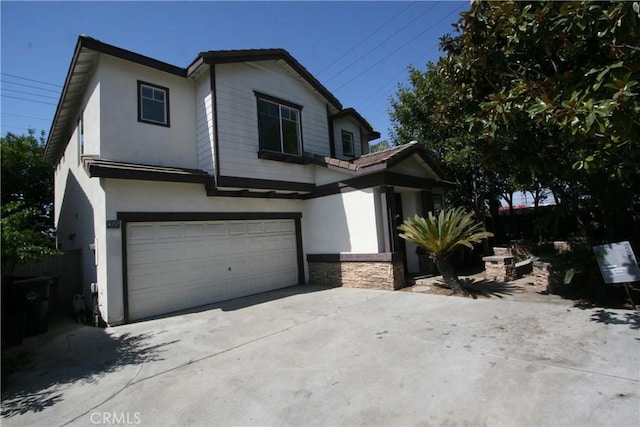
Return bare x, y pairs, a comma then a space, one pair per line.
25, 117
367, 37
25, 99
29, 93
377, 46
377, 95
31, 80
384, 58
31, 86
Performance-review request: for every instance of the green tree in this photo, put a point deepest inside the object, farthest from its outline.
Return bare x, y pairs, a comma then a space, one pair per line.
441, 235
27, 200
382, 145
556, 85
423, 111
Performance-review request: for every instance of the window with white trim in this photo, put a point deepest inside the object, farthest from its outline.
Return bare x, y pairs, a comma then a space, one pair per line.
153, 104
347, 143
279, 127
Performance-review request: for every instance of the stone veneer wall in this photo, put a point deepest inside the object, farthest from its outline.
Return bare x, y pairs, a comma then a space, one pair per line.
500, 271
387, 275
544, 275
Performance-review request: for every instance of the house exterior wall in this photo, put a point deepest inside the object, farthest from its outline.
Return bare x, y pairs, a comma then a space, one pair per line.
91, 115
238, 119
414, 167
145, 196
79, 204
124, 138
341, 223
327, 176
349, 125
370, 275
205, 123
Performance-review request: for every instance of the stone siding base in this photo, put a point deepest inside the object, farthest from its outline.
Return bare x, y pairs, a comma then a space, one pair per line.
501, 272
545, 276
387, 275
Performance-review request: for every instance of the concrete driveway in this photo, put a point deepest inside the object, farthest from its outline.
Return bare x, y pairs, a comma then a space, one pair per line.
316, 356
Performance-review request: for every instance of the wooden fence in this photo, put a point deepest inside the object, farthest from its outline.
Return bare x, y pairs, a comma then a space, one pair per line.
67, 272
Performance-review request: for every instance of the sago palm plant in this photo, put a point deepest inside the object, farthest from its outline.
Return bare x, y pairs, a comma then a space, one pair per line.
441, 235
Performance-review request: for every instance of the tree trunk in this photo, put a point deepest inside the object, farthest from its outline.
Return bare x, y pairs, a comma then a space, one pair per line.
449, 275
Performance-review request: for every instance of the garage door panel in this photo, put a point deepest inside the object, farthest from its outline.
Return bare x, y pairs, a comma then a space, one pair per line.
236, 246
217, 249
256, 265
168, 231
147, 304
141, 233
271, 227
255, 227
177, 265
195, 231
255, 245
236, 228
216, 229
287, 227
288, 243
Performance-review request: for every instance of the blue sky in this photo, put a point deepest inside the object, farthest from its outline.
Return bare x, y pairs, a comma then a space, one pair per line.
359, 50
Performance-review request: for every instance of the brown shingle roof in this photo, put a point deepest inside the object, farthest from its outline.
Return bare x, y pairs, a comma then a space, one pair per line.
123, 170
381, 160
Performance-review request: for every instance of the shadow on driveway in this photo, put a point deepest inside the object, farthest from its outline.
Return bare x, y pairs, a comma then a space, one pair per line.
78, 354
83, 354
248, 301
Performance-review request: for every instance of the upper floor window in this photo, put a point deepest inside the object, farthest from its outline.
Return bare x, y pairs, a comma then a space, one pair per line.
279, 126
153, 104
347, 143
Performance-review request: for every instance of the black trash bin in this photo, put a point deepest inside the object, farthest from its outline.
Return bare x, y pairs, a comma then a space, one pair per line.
13, 312
36, 293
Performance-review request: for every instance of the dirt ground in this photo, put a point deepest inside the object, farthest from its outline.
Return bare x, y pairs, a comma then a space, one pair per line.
523, 289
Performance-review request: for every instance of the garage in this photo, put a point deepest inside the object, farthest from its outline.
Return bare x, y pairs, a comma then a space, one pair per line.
176, 265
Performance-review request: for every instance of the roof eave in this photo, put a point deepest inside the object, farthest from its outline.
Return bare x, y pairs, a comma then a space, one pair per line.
251, 55
59, 127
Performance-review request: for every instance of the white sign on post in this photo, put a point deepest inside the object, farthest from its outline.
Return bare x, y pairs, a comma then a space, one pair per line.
617, 263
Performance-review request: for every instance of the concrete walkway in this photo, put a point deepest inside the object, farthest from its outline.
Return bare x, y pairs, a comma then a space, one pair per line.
314, 356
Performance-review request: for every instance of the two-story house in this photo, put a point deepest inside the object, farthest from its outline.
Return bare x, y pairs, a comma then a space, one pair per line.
238, 174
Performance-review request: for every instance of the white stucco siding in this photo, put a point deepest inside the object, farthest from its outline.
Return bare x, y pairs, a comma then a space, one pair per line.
324, 175
415, 166
205, 123
237, 115
124, 138
91, 115
79, 217
341, 223
141, 196
349, 125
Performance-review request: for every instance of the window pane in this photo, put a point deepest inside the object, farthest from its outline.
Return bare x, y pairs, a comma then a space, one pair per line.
263, 107
269, 130
347, 144
153, 110
290, 137
147, 92
158, 95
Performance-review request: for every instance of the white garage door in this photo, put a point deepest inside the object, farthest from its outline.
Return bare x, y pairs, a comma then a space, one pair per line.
177, 265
